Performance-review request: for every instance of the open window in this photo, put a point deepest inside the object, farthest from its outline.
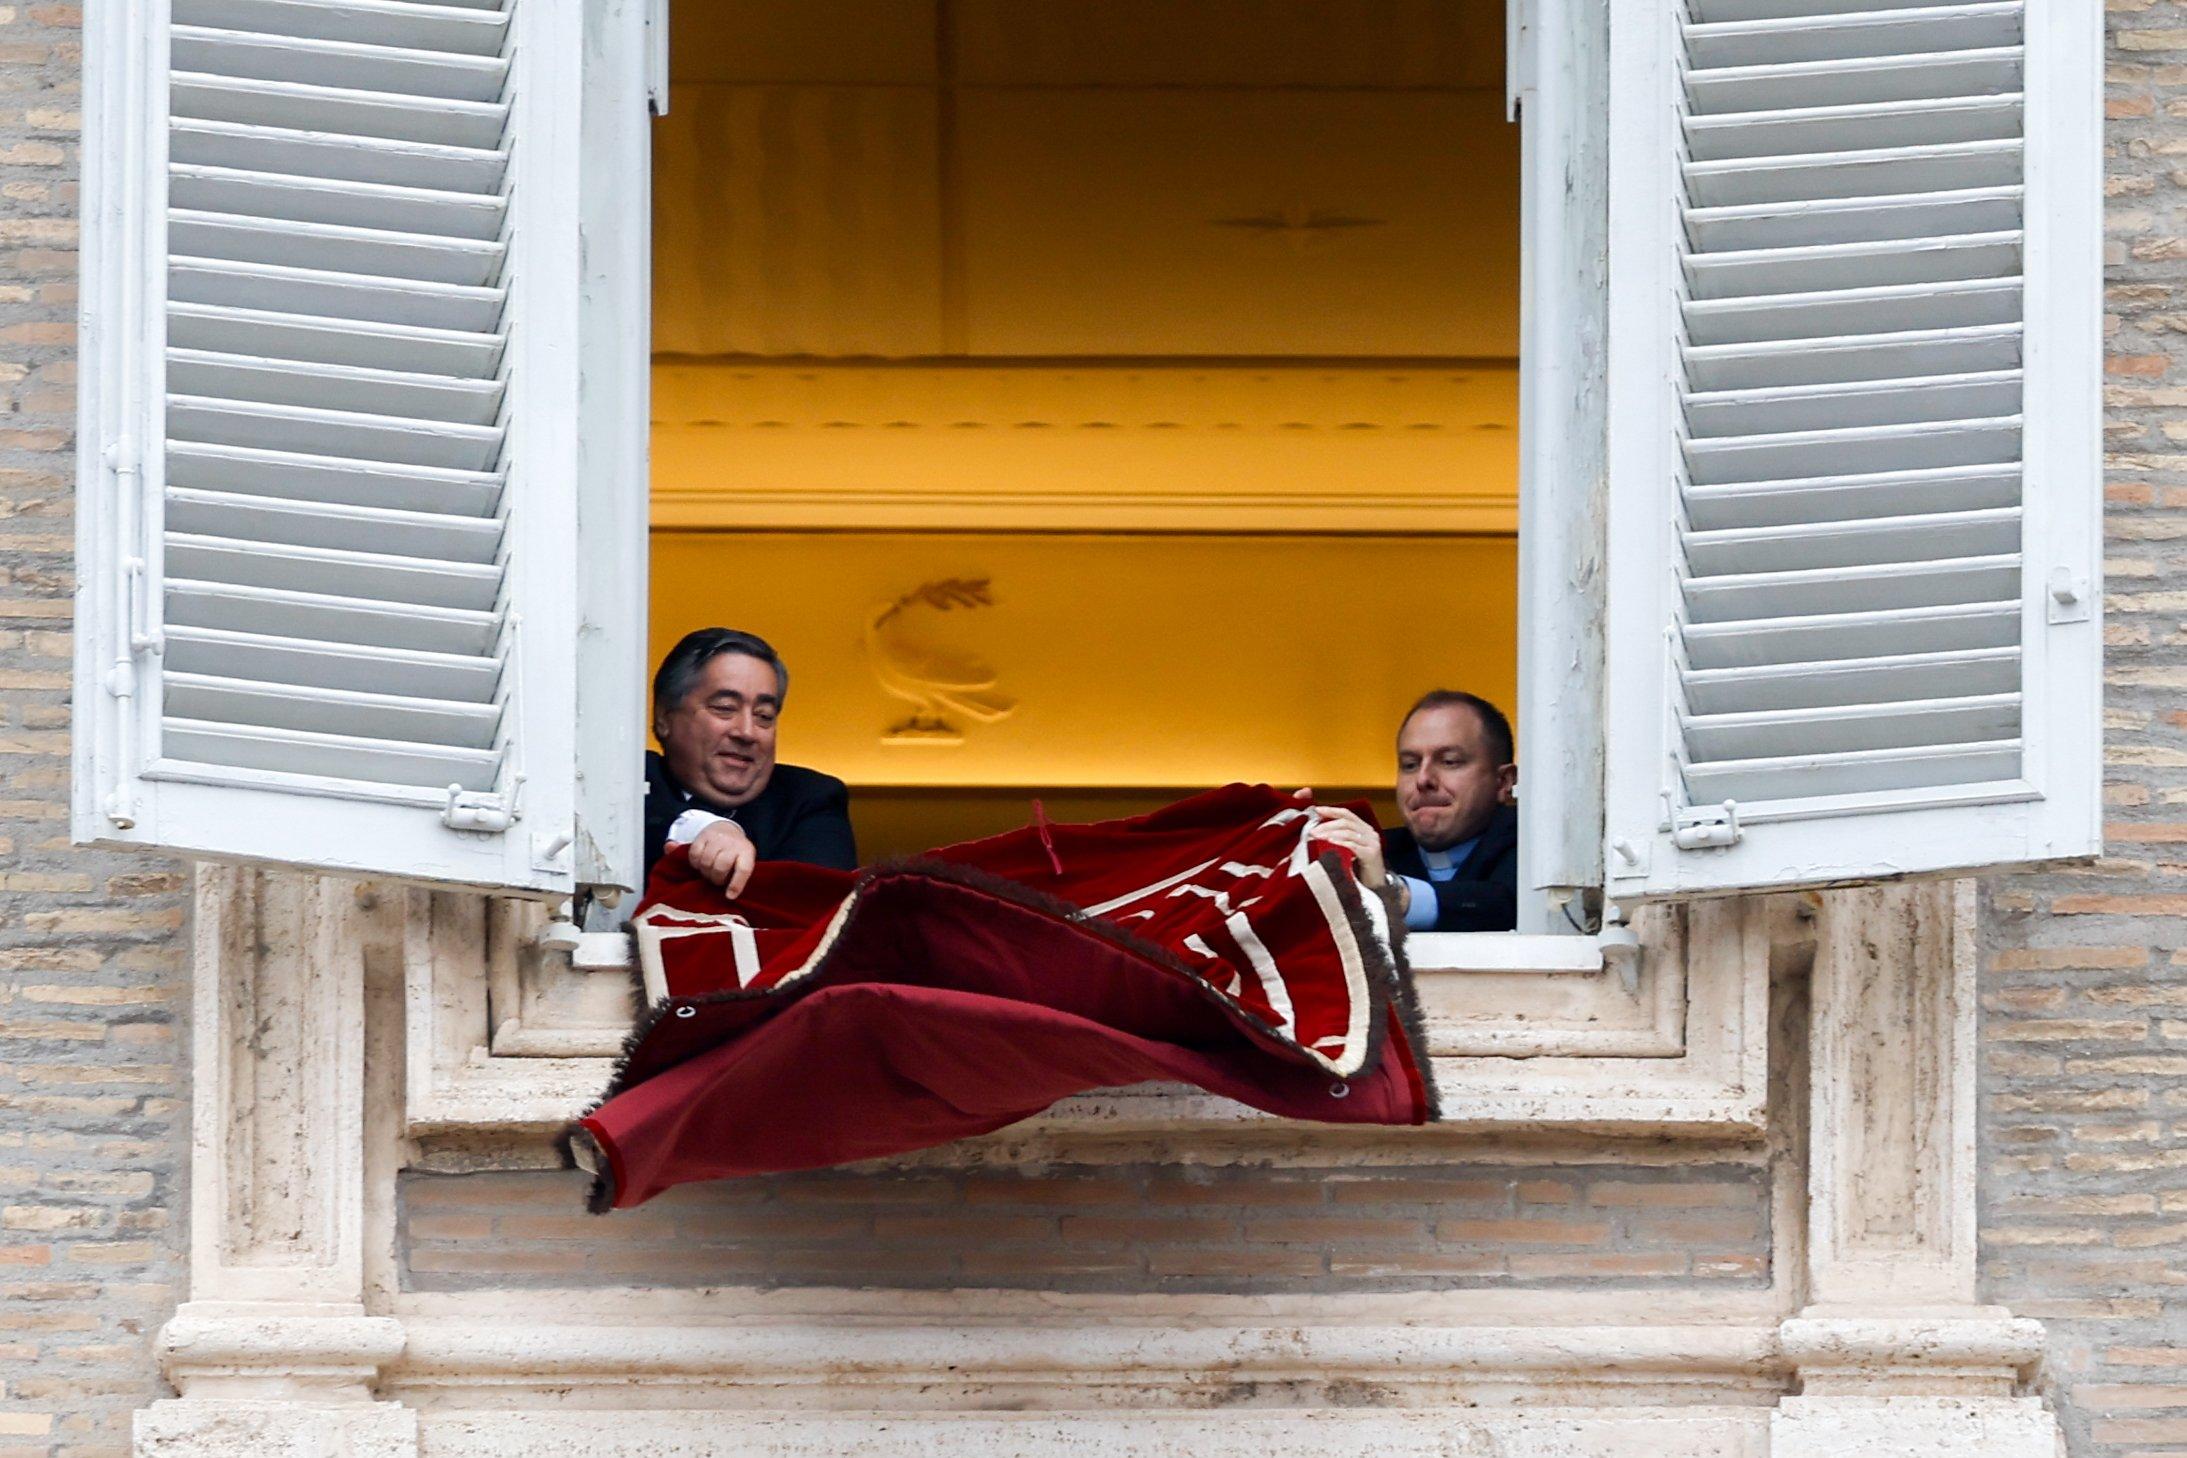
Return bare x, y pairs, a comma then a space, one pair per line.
1104, 357
1095, 403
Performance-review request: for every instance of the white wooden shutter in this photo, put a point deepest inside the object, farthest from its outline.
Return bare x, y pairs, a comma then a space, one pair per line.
1854, 439
336, 301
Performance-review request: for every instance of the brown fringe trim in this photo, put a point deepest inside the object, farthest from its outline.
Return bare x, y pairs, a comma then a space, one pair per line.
1388, 977
1404, 993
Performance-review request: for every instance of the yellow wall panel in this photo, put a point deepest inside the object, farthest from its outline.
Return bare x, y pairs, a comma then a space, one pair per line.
1239, 223
836, 42
796, 220
1388, 44
1238, 178
1162, 447
1120, 662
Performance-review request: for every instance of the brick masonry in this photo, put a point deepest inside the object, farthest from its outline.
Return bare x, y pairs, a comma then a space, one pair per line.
2084, 1082
1109, 1229
93, 1098
2084, 1127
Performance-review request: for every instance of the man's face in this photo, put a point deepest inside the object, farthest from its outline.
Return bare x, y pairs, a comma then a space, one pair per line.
1448, 782
720, 741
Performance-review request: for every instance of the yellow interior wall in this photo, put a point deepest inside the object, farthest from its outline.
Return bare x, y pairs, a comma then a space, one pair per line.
1127, 660
1187, 333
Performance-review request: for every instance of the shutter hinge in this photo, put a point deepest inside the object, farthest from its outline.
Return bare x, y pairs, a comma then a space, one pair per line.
1701, 827
134, 635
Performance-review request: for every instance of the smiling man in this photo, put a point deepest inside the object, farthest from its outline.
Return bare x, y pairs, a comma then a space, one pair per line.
1455, 864
715, 785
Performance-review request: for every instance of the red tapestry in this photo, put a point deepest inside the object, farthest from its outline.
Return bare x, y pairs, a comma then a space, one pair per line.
825, 1017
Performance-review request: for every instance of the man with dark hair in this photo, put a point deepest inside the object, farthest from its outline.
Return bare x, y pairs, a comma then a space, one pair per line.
1455, 864
715, 785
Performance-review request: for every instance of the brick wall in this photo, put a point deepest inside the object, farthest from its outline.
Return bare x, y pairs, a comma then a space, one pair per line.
2084, 1114
1114, 1229
93, 1108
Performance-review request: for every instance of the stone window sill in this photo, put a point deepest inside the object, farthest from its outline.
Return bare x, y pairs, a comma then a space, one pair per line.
508, 1034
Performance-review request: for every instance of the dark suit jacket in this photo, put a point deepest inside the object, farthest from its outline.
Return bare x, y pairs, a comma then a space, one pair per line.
1484, 895
802, 815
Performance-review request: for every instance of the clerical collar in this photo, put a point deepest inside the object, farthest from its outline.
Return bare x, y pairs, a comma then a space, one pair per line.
690, 799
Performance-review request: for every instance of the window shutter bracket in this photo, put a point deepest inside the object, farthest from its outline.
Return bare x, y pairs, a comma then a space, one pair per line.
1620, 947
2068, 596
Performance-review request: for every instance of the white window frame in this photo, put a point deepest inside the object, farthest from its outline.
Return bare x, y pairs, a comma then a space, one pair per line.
1557, 77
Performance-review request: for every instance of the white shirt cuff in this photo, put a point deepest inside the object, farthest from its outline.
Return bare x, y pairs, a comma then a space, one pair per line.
685, 828
1419, 911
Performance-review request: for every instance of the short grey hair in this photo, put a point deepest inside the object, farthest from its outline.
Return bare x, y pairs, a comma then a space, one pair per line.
679, 671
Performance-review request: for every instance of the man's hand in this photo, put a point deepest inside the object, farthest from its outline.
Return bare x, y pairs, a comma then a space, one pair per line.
725, 855
1343, 828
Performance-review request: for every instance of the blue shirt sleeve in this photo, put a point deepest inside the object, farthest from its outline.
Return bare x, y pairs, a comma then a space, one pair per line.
1420, 910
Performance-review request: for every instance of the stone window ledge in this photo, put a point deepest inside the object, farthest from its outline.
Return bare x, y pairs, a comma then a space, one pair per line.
510, 1037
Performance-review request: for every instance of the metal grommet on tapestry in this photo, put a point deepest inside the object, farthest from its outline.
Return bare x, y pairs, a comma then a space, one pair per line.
1340, 1090
687, 1011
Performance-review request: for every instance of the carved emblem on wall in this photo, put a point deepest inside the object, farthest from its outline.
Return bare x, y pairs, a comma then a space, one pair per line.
1298, 226
943, 685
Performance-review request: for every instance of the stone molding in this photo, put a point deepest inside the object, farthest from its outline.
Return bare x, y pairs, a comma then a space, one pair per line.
277, 1140
1892, 1097
212, 1349
889, 1364
1525, 1032
1985, 1351
275, 1354
1891, 1356
276, 1428
1914, 1427
1867, 1341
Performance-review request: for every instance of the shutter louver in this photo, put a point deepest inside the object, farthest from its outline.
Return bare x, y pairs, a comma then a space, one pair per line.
1837, 389
378, 231
351, 638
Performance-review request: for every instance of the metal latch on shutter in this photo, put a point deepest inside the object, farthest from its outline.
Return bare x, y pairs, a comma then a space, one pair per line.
1700, 827
479, 810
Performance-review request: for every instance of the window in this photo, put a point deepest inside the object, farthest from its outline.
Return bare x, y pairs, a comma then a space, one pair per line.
1159, 360
1810, 461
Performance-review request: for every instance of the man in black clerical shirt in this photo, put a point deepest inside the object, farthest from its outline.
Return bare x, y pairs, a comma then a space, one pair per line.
715, 785
1455, 864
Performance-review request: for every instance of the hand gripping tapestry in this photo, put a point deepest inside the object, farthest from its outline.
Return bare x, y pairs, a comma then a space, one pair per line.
824, 1017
